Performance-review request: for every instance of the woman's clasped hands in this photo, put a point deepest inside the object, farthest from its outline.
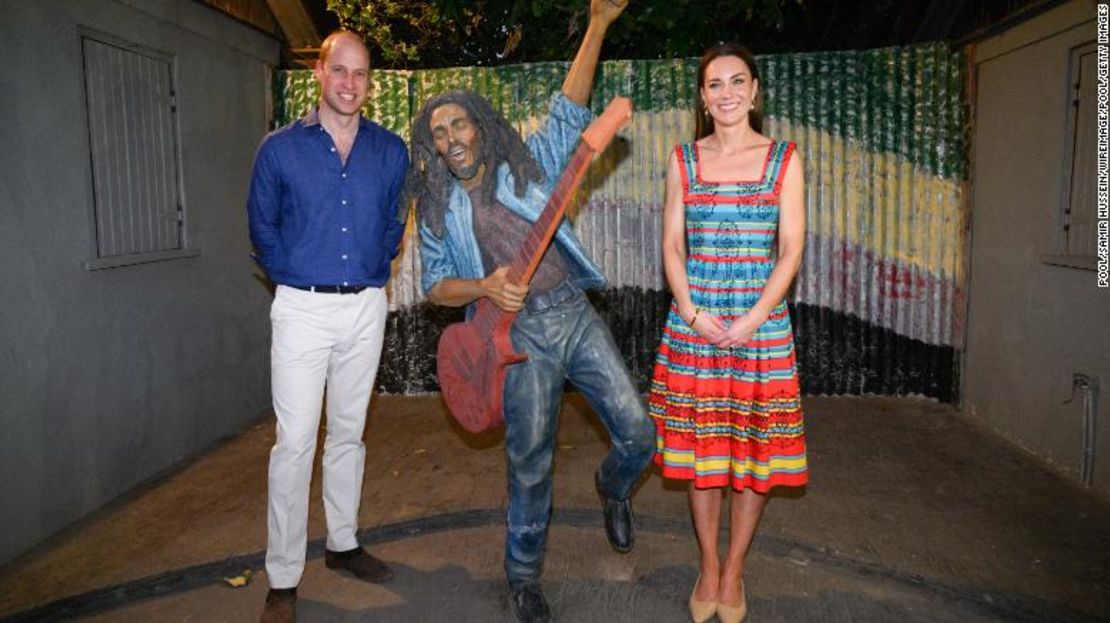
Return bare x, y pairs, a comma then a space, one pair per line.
724, 334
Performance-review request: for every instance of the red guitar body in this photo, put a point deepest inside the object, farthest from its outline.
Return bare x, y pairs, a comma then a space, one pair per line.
472, 363
473, 357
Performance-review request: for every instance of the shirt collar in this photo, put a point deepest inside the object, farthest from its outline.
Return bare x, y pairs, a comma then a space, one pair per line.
312, 119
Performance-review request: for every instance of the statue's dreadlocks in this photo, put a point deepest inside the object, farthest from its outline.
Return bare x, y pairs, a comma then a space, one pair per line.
430, 180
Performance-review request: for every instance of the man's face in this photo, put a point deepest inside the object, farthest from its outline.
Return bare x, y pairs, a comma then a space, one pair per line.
344, 77
458, 140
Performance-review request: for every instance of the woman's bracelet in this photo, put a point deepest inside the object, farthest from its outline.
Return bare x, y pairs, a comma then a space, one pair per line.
694, 318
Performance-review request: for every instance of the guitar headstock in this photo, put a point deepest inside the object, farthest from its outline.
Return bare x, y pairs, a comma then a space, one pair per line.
617, 114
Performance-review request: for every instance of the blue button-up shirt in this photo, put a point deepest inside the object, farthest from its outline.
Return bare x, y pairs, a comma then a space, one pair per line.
316, 221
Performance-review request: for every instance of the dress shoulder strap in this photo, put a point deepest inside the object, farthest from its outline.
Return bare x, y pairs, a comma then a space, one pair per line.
685, 154
780, 157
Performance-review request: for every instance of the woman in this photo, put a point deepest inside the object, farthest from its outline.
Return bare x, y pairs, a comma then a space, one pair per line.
725, 396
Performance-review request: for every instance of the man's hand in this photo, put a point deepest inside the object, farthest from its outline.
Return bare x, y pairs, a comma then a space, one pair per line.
504, 294
606, 12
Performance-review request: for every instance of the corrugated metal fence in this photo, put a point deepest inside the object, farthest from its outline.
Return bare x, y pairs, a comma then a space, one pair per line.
882, 132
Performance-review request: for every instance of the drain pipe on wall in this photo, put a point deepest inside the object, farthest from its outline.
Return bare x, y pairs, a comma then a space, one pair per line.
1088, 384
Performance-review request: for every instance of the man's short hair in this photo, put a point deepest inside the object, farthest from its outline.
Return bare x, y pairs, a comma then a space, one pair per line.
333, 37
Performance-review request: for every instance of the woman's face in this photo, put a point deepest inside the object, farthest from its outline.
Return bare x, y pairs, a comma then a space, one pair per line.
728, 90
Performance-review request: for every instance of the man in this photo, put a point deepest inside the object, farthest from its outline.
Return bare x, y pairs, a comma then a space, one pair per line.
326, 219
479, 188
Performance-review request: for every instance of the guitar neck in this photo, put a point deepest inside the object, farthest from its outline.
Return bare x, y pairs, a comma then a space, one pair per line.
527, 260
524, 265
543, 230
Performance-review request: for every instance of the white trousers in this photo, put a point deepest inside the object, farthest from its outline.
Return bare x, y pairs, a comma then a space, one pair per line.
319, 340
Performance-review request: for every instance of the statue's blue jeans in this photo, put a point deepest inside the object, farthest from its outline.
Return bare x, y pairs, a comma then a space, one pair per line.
564, 339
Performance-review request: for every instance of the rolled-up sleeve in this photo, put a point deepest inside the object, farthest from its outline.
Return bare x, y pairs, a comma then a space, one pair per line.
554, 143
435, 261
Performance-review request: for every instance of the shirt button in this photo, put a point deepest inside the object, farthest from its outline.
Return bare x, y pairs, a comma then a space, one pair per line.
344, 283
344, 256
344, 229
344, 202
343, 175
333, 149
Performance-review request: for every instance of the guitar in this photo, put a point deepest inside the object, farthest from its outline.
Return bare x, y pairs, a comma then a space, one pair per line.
473, 357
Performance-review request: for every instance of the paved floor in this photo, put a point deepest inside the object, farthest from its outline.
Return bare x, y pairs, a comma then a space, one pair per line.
913, 513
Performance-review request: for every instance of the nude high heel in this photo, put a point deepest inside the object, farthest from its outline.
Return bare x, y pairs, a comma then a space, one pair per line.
734, 614
701, 611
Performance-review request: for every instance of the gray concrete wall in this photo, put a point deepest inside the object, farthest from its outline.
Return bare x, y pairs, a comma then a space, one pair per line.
109, 377
1031, 325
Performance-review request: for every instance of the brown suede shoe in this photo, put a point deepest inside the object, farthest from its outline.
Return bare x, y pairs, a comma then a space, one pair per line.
281, 606
361, 563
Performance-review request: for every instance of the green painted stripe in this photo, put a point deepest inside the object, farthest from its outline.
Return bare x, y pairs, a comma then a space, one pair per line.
906, 100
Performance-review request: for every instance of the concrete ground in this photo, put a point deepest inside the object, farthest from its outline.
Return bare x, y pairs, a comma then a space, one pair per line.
913, 513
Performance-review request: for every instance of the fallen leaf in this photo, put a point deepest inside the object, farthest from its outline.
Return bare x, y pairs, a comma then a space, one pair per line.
240, 580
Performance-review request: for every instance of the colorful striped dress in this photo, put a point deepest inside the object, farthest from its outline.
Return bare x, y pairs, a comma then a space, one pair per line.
729, 416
